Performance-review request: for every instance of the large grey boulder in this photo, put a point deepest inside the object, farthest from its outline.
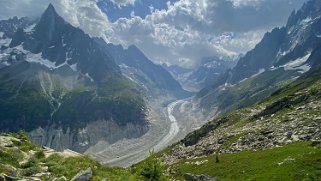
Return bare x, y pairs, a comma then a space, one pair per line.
2, 178
84, 175
191, 177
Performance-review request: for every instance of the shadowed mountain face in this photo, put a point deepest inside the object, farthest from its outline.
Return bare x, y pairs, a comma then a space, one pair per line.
153, 79
55, 77
282, 55
61, 43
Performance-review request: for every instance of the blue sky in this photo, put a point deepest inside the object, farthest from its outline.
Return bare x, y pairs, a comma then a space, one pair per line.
179, 32
140, 8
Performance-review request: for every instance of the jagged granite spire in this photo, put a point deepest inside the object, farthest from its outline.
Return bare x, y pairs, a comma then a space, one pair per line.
49, 22
310, 9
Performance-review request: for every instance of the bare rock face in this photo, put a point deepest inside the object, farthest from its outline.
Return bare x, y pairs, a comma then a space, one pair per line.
84, 175
81, 139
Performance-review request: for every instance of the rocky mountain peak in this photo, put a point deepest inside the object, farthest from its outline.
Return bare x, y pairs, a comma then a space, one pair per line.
50, 12
311, 9
49, 22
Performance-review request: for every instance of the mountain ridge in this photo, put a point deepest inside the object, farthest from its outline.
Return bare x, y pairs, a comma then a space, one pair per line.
285, 49
153, 79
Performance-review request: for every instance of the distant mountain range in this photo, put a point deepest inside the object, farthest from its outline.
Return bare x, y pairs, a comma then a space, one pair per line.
282, 55
203, 75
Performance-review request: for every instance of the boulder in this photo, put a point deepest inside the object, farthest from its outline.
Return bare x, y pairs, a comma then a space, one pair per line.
315, 142
191, 177
84, 175
2, 178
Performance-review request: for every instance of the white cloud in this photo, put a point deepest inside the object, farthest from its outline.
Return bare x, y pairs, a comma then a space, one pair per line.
242, 3
121, 3
182, 34
84, 14
20, 8
191, 29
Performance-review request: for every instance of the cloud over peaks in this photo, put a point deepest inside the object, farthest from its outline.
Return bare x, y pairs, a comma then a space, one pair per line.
182, 33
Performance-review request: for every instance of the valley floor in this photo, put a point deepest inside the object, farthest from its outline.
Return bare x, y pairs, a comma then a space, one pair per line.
165, 130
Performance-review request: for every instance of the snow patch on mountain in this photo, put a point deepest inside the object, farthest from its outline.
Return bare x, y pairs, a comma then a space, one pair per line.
5, 42
30, 57
36, 58
298, 64
306, 22
89, 77
1, 34
30, 29
212, 64
74, 67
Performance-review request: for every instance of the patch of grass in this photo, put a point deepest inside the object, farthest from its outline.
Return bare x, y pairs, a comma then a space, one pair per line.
25, 144
10, 156
232, 140
298, 161
151, 169
40, 154
69, 167
30, 171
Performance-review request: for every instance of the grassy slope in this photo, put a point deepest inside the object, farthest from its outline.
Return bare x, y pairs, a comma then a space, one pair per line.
57, 165
298, 161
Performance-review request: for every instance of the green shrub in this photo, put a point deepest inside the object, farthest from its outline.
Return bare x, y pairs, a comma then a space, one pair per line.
40, 154
10, 156
31, 170
151, 169
30, 163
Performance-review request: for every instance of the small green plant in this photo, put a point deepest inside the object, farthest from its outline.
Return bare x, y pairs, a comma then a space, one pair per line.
152, 169
216, 159
10, 156
30, 163
30, 171
40, 154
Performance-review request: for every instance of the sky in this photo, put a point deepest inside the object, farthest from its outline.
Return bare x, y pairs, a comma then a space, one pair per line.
179, 32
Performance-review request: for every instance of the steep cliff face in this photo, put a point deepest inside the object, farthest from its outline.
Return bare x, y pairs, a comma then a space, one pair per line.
81, 139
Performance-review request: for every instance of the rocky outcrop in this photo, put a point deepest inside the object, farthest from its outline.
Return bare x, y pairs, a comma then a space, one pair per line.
20, 159
191, 177
82, 139
84, 175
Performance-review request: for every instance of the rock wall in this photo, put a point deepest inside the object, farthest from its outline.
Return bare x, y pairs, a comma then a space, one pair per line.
81, 139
